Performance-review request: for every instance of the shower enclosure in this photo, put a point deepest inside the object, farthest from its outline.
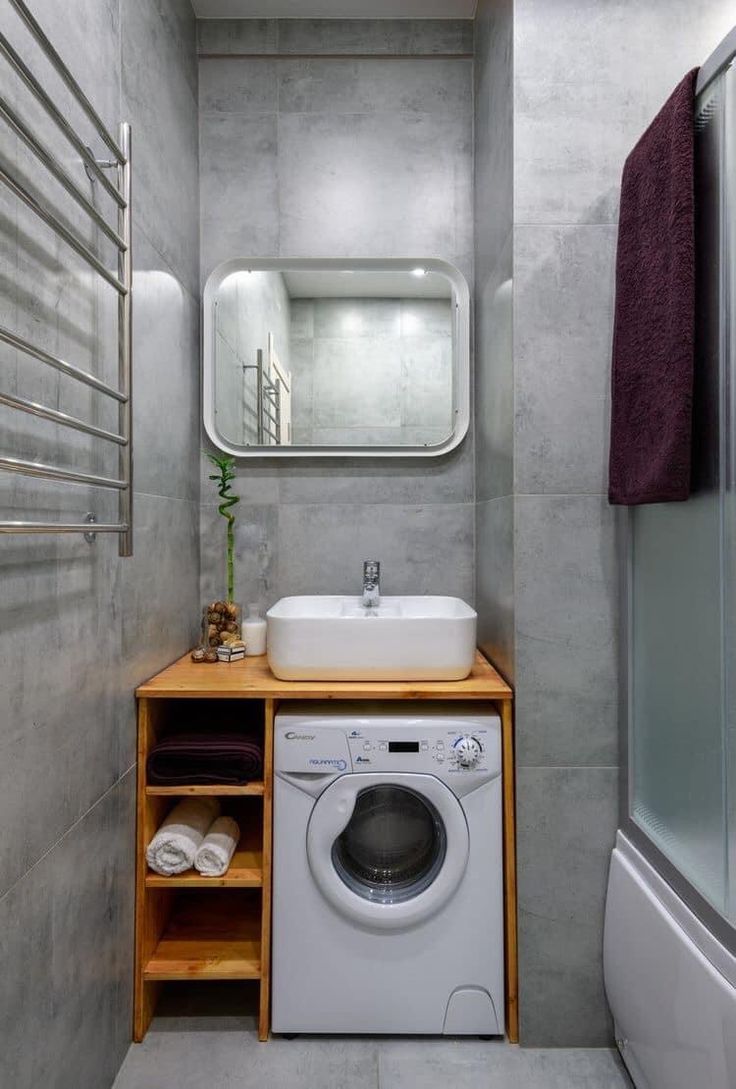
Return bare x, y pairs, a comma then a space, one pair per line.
671, 911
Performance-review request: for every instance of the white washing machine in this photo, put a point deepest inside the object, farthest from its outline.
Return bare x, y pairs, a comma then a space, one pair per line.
388, 877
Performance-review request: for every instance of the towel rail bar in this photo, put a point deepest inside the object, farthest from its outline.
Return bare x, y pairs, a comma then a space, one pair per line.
36, 30
57, 116
120, 192
53, 472
61, 365
63, 232
54, 167
63, 527
33, 408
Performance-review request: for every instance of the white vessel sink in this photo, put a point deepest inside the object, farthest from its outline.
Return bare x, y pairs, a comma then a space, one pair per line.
328, 638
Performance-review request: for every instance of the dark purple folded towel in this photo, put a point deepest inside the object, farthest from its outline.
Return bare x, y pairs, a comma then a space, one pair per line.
654, 328
205, 759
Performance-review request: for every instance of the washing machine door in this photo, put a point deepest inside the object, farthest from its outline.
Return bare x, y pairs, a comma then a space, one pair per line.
387, 849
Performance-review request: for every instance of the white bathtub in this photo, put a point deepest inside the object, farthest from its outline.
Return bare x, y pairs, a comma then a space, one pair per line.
670, 984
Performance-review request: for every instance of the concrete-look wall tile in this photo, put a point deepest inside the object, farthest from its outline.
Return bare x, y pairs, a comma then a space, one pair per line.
256, 554
494, 130
624, 44
59, 739
165, 378
494, 581
566, 824
377, 36
159, 595
65, 965
579, 110
494, 378
375, 86
161, 98
237, 35
563, 316
239, 188
570, 143
447, 479
423, 550
566, 623
378, 184
237, 86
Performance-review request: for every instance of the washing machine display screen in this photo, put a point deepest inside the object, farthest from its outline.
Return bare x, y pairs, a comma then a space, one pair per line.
403, 746
393, 846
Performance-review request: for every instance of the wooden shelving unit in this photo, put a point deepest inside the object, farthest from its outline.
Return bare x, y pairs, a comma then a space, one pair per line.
192, 927
209, 936
248, 790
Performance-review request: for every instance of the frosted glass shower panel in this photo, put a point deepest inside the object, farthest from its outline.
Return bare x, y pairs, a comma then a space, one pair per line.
682, 577
677, 743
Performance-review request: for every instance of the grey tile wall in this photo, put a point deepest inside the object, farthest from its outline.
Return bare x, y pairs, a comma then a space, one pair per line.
340, 157
588, 78
79, 627
337, 36
494, 379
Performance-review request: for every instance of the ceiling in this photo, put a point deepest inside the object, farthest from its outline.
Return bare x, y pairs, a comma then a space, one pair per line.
334, 9
315, 284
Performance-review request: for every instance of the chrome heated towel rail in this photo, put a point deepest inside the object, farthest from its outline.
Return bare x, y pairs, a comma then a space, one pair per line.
118, 165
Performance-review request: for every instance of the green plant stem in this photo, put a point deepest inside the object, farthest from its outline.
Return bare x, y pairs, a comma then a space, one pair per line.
230, 558
226, 467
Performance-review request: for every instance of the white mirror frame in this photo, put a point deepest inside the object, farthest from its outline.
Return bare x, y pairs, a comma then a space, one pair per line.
461, 360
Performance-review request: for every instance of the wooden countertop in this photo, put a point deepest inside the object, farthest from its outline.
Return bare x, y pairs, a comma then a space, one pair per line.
252, 678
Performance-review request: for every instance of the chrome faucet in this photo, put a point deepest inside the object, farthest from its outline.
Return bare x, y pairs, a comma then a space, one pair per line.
371, 583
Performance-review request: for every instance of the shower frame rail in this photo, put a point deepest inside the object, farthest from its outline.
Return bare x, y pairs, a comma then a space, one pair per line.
120, 192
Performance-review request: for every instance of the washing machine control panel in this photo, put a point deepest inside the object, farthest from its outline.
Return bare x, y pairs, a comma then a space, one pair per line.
435, 752
451, 747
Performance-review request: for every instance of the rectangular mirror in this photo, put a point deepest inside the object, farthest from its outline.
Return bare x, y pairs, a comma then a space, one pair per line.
333, 357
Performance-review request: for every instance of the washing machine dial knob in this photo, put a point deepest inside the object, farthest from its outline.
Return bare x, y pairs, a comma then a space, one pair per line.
468, 751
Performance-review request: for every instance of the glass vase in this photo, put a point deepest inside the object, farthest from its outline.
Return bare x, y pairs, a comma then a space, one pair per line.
221, 623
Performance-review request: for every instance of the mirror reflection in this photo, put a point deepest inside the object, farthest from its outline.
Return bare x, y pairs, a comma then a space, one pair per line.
334, 357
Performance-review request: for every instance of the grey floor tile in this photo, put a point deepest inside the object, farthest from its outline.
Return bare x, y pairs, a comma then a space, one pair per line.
220, 1051
437, 1064
182, 1059
571, 1068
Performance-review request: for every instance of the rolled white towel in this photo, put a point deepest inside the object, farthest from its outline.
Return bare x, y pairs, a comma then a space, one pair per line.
174, 846
217, 848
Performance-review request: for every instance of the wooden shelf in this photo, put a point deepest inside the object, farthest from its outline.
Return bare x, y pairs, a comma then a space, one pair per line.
209, 937
245, 872
251, 678
221, 789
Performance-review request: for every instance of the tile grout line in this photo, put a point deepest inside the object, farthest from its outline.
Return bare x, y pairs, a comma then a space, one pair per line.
69, 830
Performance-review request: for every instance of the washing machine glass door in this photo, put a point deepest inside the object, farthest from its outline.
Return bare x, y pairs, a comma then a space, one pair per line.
387, 849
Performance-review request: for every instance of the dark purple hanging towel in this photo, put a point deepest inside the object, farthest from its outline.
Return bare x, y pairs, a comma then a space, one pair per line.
654, 327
